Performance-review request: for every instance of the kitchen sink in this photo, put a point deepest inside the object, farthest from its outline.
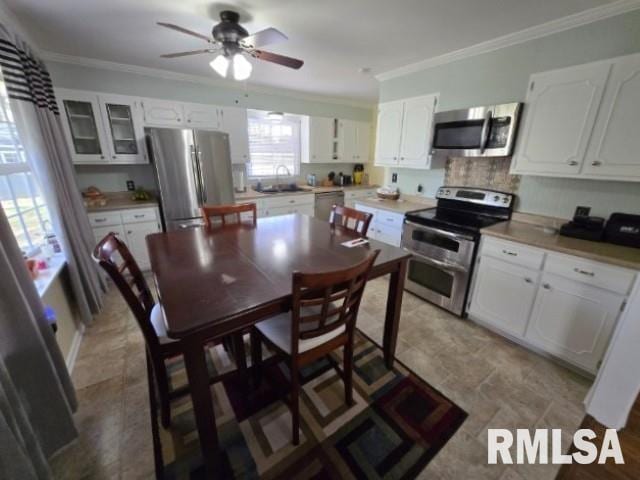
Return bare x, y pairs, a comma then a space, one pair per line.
281, 189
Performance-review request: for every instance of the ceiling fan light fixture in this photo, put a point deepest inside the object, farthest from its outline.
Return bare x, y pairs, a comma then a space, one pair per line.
221, 65
241, 67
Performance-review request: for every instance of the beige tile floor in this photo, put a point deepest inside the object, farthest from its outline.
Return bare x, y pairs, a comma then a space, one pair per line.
498, 383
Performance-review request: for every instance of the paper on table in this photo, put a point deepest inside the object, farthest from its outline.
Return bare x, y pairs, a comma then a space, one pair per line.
355, 242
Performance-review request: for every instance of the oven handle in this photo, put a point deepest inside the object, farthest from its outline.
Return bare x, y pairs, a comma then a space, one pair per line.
484, 135
444, 233
437, 263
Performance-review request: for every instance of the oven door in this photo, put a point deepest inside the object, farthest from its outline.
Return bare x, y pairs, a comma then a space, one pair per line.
438, 244
441, 283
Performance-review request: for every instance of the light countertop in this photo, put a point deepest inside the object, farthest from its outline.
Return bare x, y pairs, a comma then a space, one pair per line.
403, 205
534, 235
253, 195
122, 201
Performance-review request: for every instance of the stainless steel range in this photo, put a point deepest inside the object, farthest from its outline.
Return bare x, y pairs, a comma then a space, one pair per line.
444, 240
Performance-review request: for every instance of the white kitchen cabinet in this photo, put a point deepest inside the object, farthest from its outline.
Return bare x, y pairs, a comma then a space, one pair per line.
131, 225
561, 111
136, 234
404, 133
285, 204
122, 118
503, 294
162, 113
197, 115
613, 151
389, 132
351, 196
573, 320
233, 120
385, 226
353, 141
83, 127
415, 142
363, 142
318, 140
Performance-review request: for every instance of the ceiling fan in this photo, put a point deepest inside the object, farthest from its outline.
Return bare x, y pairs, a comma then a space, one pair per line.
233, 41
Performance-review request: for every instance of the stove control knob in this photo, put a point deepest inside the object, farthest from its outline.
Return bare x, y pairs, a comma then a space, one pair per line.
496, 198
447, 192
505, 200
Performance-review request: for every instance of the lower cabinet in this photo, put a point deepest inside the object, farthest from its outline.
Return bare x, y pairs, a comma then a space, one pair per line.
504, 295
352, 196
132, 226
564, 305
573, 320
385, 226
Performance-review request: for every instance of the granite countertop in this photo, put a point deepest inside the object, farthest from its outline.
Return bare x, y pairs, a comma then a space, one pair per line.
404, 205
253, 195
534, 235
122, 201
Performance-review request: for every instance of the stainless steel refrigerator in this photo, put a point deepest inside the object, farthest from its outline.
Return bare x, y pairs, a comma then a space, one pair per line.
193, 168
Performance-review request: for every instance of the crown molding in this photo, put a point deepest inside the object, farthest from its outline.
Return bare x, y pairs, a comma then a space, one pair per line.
198, 79
554, 26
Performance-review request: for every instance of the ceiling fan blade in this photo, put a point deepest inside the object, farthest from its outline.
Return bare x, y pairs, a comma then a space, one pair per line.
279, 59
268, 36
184, 30
184, 54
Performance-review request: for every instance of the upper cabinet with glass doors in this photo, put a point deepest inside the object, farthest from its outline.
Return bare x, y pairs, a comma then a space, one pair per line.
102, 129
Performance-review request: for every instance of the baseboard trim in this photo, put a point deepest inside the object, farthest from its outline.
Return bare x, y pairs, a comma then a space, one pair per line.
75, 347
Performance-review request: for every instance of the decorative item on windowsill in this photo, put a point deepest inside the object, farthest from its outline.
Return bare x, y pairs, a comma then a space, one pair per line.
388, 193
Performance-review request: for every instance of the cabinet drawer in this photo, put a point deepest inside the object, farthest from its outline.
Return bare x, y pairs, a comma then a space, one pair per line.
288, 200
139, 215
388, 234
513, 252
389, 219
608, 277
104, 219
367, 209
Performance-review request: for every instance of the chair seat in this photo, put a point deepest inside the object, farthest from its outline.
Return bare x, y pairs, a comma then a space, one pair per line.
278, 330
158, 322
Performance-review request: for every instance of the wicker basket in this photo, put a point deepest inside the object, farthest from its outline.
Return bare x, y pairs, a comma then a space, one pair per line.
388, 196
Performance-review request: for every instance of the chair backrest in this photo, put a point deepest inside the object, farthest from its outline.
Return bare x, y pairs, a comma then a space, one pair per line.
323, 302
107, 254
350, 219
223, 212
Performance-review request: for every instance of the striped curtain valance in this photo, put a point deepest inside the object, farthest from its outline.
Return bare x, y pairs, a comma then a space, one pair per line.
25, 77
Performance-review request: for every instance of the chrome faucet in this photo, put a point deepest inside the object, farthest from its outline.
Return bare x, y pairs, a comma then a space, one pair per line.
278, 186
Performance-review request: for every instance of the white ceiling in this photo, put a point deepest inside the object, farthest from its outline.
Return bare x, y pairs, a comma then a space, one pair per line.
334, 37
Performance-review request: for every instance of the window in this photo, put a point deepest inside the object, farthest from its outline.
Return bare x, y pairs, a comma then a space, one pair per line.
273, 142
20, 195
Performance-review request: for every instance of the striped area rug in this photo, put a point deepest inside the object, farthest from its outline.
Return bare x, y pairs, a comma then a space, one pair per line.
397, 425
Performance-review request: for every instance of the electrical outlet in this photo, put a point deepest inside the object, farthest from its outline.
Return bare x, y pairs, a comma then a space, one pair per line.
419, 188
394, 177
131, 186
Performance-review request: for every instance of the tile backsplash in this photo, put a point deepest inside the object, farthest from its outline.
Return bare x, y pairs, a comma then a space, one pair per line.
490, 173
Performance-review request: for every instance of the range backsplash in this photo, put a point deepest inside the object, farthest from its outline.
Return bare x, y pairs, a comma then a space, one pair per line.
490, 173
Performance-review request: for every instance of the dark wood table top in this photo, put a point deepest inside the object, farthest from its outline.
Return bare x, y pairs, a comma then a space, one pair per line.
210, 276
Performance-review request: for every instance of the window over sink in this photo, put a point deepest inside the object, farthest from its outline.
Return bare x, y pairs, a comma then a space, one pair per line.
274, 141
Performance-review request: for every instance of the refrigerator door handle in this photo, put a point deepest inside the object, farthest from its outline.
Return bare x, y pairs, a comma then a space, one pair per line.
195, 165
203, 190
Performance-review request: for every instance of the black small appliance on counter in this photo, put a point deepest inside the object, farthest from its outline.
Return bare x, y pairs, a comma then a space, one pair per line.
623, 229
584, 226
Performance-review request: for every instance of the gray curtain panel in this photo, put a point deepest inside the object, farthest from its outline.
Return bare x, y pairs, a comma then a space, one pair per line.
36, 394
38, 121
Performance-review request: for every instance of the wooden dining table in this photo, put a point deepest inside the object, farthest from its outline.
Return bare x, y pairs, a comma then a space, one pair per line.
213, 282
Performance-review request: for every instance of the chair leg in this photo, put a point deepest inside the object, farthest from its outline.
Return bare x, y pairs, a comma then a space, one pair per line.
348, 374
157, 446
240, 358
295, 407
256, 357
163, 391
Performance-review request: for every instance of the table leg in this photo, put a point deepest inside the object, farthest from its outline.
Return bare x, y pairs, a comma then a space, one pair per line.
196, 366
392, 318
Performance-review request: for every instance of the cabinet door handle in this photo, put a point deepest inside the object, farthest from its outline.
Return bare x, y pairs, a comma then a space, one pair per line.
507, 252
129, 232
573, 163
292, 201
584, 272
99, 220
114, 157
528, 280
596, 163
140, 215
546, 286
102, 157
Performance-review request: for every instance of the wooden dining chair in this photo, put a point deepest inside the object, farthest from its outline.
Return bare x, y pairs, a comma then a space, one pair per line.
149, 316
223, 212
350, 219
322, 318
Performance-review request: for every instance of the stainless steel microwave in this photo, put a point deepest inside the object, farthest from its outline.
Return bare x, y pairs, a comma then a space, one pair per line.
476, 132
